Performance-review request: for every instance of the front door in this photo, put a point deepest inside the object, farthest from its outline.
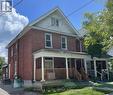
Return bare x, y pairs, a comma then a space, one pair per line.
49, 67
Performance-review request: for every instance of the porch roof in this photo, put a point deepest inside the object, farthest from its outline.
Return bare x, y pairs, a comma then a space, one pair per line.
60, 53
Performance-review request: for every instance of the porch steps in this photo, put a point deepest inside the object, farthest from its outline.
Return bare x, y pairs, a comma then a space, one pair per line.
77, 75
83, 74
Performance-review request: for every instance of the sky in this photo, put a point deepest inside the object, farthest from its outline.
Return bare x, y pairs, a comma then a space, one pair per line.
29, 10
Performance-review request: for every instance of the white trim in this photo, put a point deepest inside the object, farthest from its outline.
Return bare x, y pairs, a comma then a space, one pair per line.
42, 62
85, 65
34, 69
95, 68
54, 31
50, 40
63, 54
15, 67
67, 70
65, 42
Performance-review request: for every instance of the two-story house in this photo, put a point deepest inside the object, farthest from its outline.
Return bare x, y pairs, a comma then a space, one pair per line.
47, 49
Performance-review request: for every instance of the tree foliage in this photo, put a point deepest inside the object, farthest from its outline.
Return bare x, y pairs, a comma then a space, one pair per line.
100, 30
2, 61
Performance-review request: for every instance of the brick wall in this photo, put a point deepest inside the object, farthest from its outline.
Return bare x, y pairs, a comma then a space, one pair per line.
32, 41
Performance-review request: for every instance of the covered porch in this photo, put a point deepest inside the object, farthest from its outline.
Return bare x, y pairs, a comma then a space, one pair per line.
57, 64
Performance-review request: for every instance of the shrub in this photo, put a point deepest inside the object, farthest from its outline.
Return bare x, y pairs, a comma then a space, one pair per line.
70, 85
31, 89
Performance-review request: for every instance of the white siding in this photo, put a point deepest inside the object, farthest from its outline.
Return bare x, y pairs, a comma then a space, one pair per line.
63, 26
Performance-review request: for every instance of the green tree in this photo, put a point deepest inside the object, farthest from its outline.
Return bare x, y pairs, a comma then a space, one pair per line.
100, 30
2, 61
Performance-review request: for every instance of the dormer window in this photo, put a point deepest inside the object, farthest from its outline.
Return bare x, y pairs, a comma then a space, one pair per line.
54, 21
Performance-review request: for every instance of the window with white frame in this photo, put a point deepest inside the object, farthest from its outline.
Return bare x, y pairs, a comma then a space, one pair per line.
49, 64
54, 21
63, 42
48, 40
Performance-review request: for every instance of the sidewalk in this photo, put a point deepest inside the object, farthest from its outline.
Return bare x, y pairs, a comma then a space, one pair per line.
9, 90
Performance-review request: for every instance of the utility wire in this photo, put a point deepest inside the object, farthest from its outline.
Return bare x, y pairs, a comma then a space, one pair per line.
83, 6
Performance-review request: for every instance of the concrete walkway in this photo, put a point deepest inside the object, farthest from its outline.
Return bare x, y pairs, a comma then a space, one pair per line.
9, 90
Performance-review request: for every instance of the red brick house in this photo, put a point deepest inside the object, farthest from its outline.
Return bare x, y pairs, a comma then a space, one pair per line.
47, 49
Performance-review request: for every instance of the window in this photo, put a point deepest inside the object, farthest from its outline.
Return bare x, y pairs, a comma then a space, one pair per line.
48, 40
54, 22
64, 42
49, 63
77, 45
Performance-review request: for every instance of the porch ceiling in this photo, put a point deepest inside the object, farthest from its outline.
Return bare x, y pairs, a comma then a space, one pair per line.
60, 53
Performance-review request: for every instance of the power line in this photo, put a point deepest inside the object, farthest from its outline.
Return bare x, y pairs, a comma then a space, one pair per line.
83, 6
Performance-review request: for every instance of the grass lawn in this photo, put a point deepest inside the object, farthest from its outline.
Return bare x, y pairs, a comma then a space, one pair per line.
83, 91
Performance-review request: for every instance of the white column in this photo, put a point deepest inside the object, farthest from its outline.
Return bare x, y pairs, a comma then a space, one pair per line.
42, 69
67, 72
95, 69
34, 69
9, 70
85, 65
15, 67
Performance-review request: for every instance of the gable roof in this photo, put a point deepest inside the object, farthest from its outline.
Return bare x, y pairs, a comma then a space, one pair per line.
62, 14
30, 26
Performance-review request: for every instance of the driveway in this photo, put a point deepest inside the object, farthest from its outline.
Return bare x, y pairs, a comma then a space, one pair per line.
9, 90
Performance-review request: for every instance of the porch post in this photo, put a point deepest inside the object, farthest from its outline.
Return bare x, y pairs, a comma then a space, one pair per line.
67, 72
85, 65
42, 69
34, 69
95, 69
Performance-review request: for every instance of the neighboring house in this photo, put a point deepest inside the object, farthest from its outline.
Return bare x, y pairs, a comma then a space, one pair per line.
5, 72
49, 48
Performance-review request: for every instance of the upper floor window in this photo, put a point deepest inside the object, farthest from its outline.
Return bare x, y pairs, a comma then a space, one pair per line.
77, 45
54, 21
63, 42
48, 40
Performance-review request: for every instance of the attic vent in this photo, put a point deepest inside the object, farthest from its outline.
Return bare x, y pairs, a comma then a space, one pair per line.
54, 21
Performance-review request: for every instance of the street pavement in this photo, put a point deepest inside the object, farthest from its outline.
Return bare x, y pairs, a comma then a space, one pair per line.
9, 90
